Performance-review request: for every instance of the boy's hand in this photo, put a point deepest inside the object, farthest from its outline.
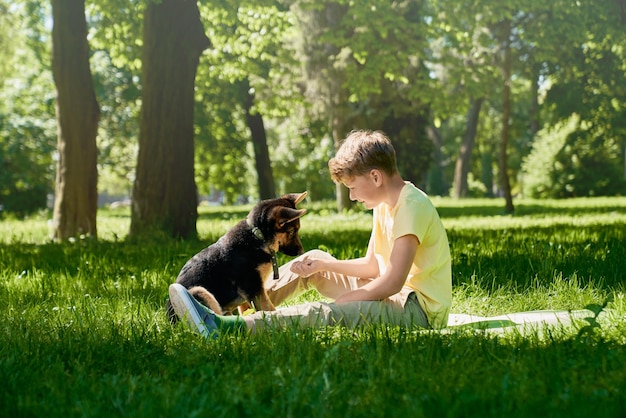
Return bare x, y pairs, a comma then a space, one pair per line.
307, 267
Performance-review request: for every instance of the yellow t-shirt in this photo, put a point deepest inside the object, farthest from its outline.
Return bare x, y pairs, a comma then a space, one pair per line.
431, 273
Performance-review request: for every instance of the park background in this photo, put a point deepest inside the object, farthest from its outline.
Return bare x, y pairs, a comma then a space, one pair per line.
510, 114
169, 103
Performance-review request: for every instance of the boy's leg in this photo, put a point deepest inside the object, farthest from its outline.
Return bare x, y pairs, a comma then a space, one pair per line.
352, 314
316, 314
330, 285
200, 318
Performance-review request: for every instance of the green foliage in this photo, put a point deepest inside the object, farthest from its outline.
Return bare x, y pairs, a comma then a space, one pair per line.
27, 130
539, 165
397, 66
602, 114
115, 40
300, 161
379, 41
591, 166
6, 47
115, 27
26, 166
365, 69
248, 58
569, 161
118, 94
83, 329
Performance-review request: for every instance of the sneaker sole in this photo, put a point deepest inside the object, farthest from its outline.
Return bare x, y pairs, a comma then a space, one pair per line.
185, 309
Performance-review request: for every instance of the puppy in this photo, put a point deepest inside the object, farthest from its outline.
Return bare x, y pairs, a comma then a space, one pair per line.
229, 274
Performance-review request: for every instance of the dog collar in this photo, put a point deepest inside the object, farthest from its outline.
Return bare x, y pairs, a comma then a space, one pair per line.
259, 234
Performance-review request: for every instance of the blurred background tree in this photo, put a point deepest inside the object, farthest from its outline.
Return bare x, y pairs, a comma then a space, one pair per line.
429, 73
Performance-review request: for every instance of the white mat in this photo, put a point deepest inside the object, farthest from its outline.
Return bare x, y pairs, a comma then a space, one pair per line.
519, 320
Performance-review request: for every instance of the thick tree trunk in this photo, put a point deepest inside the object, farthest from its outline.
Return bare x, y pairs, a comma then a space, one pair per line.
263, 164
506, 115
164, 195
76, 197
464, 159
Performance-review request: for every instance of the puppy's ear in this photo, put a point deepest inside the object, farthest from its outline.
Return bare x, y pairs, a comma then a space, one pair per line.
296, 197
285, 215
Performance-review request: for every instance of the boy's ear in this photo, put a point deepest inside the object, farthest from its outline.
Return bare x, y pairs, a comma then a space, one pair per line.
377, 176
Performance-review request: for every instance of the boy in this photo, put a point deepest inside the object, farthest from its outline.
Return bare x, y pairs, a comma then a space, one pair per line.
404, 279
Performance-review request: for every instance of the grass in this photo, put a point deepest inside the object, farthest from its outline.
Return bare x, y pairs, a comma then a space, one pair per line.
83, 332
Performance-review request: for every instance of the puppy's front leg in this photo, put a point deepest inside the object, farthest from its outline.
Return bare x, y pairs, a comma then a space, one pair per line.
262, 302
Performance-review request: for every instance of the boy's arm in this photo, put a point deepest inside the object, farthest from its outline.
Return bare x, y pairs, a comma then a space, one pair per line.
391, 282
364, 267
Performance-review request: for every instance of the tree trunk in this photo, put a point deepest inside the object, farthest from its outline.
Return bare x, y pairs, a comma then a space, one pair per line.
76, 195
263, 164
506, 115
338, 131
408, 133
486, 174
464, 160
164, 194
534, 104
435, 182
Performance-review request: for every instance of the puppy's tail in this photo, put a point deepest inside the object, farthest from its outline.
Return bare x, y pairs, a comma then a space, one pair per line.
206, 298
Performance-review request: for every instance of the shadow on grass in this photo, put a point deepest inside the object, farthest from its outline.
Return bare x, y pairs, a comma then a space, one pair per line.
524, 256
514, 256
99, 257
529, 209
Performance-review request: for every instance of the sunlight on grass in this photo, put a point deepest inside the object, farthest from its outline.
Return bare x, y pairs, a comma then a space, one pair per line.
83, 330
35, 230
560, 294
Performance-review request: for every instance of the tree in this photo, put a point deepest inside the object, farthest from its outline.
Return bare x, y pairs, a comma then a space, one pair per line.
562, 165
249, 71
592, 84
365, 69
115, 39
164, 194
317, 69
265, 179
324, 64
463, 161
505, 39
76, 197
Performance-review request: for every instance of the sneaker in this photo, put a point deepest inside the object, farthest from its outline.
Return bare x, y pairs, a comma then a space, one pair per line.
200, 318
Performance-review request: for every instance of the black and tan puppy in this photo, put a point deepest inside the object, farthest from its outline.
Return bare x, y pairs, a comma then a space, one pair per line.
230, 273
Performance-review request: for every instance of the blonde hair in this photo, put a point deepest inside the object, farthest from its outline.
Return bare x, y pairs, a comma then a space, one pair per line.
361, 152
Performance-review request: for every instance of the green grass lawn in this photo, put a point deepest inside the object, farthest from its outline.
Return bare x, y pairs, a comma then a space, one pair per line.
83, 330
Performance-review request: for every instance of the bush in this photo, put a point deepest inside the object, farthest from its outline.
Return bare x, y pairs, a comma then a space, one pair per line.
26, 167
569, 160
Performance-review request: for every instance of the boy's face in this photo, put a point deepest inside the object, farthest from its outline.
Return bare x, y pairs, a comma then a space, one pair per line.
363, 189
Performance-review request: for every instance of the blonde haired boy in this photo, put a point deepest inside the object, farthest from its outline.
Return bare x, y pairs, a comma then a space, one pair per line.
404, 278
